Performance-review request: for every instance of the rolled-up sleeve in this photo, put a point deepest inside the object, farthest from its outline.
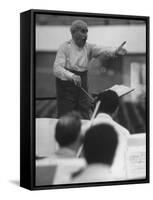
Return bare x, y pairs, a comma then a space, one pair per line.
60, 64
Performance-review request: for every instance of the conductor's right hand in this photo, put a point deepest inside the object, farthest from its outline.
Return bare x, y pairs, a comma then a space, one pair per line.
77, 80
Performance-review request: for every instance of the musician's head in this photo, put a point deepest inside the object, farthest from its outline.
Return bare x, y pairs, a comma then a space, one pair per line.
79, 31
100, 144
109, 102
67, 131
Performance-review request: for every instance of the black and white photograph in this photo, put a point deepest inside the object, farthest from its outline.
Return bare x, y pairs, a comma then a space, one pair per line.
90, 99
90, 105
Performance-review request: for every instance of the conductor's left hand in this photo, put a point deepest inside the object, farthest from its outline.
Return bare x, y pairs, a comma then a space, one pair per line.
120, 50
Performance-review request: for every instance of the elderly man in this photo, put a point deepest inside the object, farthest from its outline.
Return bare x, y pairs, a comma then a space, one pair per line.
70, 69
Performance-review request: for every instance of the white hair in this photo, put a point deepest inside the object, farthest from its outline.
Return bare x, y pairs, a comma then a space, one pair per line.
78, 24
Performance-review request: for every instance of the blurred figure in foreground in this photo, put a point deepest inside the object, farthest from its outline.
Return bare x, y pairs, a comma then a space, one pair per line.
67, 135
57, 168
100, 144
109, 104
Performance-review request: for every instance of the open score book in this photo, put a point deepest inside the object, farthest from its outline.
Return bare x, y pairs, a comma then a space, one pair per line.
121, 90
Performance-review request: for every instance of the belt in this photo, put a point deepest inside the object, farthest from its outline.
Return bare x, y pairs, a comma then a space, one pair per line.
78, 72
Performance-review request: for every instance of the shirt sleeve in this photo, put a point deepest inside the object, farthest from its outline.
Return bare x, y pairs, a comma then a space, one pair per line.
98, 51
60, 63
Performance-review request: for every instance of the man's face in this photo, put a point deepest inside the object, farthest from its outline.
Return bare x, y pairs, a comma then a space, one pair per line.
80, 36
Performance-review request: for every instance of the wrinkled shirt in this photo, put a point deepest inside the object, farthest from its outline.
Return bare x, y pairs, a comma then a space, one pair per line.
70, 57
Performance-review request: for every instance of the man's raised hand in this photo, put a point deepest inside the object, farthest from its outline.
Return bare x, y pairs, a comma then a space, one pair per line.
120, 50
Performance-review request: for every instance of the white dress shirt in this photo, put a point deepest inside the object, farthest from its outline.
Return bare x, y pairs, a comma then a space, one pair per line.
71, 57
94, 173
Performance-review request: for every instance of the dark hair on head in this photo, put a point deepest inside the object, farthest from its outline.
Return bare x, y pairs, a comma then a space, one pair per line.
68, 129
100, 144
109, 101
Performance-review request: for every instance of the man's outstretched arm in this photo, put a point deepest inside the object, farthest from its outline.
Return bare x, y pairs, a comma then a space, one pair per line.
107, 51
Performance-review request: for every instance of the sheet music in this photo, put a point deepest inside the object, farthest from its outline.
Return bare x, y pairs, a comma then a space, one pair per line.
121, 89
136, 162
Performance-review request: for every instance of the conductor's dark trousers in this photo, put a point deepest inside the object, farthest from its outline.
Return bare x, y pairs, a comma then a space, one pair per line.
71, 97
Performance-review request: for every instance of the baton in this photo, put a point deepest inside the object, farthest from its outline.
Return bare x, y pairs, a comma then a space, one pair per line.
90, 97
95, 111
91, 122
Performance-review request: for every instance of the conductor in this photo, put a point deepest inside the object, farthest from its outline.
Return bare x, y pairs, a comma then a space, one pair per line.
70, 69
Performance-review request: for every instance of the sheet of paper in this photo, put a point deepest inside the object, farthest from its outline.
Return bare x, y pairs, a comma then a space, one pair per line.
136, 162
121, 90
